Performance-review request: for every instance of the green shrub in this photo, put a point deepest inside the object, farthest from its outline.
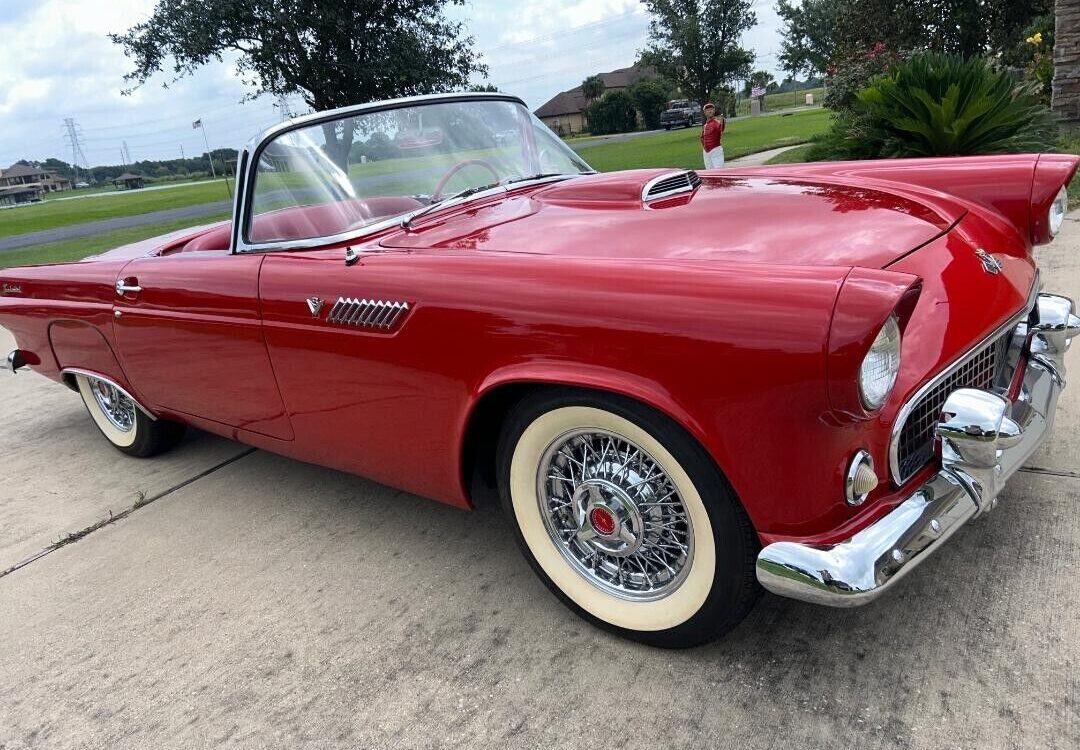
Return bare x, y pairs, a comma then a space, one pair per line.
938, 105
614, 112
650, 98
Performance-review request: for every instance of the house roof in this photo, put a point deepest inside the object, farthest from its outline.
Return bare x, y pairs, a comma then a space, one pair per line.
128, 176
21, 170
573, 101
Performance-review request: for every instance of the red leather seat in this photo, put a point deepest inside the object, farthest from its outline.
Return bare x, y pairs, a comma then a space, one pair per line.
304, 222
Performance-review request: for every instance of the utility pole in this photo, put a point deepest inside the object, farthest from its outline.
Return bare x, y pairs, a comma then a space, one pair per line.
283, 105
127, 154
75, 140
182, 157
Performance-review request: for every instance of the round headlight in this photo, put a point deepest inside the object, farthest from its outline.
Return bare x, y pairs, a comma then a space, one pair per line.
1058, 209
879, 368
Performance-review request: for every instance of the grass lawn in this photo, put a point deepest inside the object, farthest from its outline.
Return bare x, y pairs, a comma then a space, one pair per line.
52, 214
681, 148
110, 188
784, 100
1070, 144
67, 250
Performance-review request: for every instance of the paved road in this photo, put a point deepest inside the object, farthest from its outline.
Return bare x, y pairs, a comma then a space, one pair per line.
760, 158
260, 602
91, 228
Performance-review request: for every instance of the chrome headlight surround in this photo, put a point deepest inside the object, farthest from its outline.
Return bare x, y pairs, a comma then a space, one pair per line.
880, 366
1056, 215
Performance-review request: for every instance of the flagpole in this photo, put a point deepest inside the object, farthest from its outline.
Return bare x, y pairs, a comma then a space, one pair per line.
210, 156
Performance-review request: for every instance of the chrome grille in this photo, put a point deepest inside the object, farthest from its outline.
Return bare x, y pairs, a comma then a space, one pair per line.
662, 187
916, 439
366, 313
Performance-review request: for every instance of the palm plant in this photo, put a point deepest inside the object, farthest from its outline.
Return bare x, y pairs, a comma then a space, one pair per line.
940, 105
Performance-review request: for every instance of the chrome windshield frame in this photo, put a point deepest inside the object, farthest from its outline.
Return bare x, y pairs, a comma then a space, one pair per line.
248, 162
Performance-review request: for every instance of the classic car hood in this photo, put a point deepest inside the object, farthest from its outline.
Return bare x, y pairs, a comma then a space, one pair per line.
733, 218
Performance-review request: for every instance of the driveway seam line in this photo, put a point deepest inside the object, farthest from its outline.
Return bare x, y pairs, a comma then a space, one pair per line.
1051, 472
74, 536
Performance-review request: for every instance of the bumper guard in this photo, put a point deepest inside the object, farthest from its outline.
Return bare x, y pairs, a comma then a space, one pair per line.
984, 438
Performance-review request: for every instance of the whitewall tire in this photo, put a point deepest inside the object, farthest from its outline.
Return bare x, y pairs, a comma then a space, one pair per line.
626, 518
126, 426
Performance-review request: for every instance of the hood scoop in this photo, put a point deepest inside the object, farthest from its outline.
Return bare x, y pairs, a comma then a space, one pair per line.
672, 183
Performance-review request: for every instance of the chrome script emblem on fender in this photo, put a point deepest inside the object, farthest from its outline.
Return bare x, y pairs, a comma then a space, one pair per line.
990, 264
11, 289
315, 305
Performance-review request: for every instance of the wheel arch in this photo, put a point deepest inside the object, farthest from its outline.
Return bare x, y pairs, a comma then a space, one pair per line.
502, 390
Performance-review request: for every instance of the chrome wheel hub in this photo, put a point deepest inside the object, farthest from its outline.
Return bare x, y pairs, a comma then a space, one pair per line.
615, 515
117, 408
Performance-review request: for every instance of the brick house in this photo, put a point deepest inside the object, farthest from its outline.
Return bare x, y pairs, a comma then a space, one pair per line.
565, 112
22, 184
20, 174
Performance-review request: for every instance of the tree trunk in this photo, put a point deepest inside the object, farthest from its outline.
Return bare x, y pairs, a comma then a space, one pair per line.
1066, 99
339, 141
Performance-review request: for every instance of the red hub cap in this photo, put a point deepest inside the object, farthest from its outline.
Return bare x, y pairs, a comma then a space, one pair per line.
603, 521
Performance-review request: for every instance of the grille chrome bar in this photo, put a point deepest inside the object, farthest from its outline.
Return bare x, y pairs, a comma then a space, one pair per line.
367, 313
667, 185
1003, 339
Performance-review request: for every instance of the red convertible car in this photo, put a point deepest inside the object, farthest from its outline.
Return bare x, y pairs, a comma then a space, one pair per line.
685, 387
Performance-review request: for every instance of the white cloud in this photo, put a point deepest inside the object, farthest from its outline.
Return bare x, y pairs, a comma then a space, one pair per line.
65, 66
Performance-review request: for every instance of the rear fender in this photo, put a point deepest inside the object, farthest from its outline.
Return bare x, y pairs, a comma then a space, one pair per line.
80, 345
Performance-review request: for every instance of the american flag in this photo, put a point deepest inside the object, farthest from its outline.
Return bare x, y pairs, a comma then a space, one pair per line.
757, 91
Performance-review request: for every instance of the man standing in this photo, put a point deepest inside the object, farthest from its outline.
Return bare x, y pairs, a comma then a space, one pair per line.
712, 137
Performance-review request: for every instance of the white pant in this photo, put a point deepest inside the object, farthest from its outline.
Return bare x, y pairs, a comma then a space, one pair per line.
714, 159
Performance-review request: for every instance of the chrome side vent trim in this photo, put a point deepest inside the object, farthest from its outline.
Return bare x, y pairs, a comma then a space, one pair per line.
673, 183
367, 313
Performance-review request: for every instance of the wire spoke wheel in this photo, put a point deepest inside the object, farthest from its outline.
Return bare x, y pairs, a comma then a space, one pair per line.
114, 405
615, 515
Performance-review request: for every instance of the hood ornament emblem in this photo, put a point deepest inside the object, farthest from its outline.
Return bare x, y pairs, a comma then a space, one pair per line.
315, 305
990, 264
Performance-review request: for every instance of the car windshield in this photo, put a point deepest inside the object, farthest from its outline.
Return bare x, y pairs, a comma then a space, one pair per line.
679, 104
342, 175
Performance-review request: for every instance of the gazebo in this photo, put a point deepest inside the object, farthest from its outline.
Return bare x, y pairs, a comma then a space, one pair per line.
129, 181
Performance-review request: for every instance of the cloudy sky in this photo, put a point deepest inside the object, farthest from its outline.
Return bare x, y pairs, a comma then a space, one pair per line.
56, 62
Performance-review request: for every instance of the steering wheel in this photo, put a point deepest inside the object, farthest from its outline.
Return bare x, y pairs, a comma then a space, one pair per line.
438, 194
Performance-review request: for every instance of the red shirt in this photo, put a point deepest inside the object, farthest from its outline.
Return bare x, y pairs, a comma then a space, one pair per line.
712, 133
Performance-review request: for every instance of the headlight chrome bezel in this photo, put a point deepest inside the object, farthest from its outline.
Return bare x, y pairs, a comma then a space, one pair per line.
881, 365
1055, 215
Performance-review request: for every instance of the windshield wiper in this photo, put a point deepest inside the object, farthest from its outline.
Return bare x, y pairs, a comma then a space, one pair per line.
542, 176
406, 223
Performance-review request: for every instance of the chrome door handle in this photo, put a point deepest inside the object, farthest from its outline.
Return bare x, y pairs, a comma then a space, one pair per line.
122, 288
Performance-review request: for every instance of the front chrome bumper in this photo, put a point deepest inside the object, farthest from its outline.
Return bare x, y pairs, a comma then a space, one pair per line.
985, 437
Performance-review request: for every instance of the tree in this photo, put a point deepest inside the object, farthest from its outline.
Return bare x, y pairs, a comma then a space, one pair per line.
332, 54
695, 43
484, 88
818, 34
612, 113
592, 88
762, 78
650, 97
809, 44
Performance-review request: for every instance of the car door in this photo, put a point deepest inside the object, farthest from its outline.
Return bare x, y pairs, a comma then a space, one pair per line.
190, 339
353, 351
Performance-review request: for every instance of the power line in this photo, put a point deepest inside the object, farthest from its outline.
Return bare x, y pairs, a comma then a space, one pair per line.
75, 140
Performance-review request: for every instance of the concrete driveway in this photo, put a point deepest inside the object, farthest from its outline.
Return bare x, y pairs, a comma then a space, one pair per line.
260, 602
